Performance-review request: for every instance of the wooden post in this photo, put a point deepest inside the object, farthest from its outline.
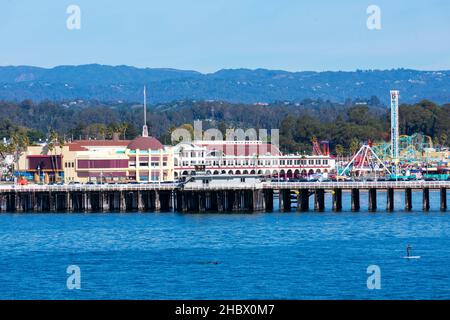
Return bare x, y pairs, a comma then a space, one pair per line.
184, 201
140, 201
303, 204
18, 202
235, 198
2, 203
355, 200
426, 199
337, 200
105, 201
319, 200
201, 198
285, 200
268, 199
372, 199
220, 201
390, 200
157, 201
443, 193
89, 202
408, 199
52, 201
122, 202
69, 204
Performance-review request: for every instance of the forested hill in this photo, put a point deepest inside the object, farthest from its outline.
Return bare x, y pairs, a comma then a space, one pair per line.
343, 125
123, 83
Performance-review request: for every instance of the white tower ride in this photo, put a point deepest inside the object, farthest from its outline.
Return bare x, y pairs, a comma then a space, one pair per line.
145, 128
394, 126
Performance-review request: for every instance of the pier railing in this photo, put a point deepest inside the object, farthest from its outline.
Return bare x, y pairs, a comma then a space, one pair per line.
87, 187
232, 186
359, 185
209, 197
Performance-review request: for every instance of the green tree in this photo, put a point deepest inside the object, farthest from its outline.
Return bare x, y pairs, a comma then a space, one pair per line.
443, 139
55, 141
340, 151
187, 126
18, 144
354, 146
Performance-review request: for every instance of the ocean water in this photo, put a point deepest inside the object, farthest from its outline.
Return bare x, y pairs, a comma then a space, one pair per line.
228, 256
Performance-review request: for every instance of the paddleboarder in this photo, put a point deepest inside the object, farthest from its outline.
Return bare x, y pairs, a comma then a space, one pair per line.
408, 250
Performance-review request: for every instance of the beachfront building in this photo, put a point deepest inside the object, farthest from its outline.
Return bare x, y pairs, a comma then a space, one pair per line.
143, 159
39, 164
246, 157
140, 160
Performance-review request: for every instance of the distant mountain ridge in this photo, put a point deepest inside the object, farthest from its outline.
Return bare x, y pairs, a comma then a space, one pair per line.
124, 83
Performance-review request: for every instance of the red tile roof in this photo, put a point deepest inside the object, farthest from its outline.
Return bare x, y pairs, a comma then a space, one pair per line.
244, 149
145, 143
79, 145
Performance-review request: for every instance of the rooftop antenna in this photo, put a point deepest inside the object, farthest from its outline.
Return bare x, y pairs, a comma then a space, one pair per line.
145, 128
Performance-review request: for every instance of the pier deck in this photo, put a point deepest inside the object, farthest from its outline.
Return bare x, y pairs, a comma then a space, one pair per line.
248, 197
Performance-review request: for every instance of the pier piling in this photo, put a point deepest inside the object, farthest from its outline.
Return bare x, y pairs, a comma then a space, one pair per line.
443, 193
408, 199
337, 200
372, 199
319, 200
355, 199
248, 198
426, 199
268, 199
285, 200
390, 200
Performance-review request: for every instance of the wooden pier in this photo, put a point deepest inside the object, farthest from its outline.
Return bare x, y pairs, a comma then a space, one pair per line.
304, 190
240, 197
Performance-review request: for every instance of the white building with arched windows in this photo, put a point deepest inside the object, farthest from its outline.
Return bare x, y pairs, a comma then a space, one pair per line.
246, 157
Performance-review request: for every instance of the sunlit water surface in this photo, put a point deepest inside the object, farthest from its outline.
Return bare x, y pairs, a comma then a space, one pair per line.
228, 256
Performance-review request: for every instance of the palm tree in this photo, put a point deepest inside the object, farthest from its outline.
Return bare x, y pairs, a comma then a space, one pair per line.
123, 129
118, 128
340, 150
18, 143
55, 140
102, 131
354, 146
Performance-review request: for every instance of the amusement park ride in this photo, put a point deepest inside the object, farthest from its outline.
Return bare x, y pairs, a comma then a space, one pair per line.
322, 149
403, 157
365, 161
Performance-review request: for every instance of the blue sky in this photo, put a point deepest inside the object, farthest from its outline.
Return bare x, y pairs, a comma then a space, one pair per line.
208, 35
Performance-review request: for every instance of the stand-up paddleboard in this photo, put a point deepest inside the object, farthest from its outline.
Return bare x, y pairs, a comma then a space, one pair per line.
412, 257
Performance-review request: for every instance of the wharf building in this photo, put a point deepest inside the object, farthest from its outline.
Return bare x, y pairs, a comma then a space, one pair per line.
143, 159
246, 157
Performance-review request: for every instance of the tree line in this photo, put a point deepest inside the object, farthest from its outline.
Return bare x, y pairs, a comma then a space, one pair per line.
343, 125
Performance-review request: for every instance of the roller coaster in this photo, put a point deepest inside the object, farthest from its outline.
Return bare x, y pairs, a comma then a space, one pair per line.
412, 149
376, 158
404, 157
